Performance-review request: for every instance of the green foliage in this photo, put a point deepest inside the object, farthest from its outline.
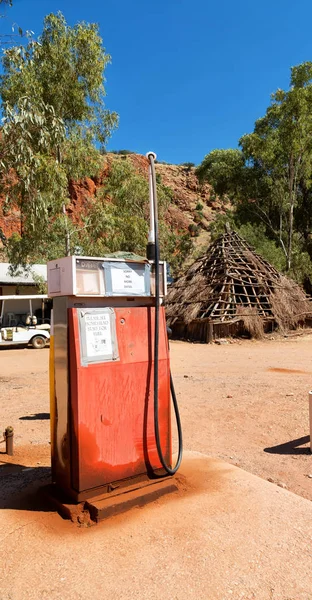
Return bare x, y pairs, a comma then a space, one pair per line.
188, 165
118, 219
31, 177
122, 152
198, 216
301, 269
279, 153
37, 248
269, 180
53, 104
217, 226
177, 247
53, 112
64, 69
40, 283
194, 230
223, 170
199, 206
256, 236
80, 157
167, 191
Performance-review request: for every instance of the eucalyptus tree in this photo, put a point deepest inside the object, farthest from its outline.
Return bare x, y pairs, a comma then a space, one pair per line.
281, 149
60, 74
269, 177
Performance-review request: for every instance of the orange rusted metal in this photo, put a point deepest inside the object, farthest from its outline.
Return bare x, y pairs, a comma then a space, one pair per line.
111, 404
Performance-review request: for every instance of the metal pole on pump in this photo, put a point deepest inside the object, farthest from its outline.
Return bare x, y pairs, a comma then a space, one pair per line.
154, 254
150, 248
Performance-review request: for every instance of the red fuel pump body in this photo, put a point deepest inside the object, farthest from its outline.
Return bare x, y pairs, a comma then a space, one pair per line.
111, 404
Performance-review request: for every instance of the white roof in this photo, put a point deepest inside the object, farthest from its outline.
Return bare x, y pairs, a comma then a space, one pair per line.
23, 277
25, 297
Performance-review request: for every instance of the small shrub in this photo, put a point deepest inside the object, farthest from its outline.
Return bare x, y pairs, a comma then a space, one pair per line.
122, 152
168, 191
198, 217
199, 206
194, 229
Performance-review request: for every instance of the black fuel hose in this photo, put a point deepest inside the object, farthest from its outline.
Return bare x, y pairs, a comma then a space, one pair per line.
168, 469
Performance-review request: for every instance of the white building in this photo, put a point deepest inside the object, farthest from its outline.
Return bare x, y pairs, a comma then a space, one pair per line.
25, 283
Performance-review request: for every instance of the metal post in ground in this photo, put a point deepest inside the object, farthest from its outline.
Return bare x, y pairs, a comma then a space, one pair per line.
8, 436
310, 417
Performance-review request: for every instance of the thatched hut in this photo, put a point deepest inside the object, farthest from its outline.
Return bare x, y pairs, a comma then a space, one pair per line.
231, 290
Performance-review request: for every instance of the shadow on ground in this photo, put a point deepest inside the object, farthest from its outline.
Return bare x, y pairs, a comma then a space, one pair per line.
35, 417
292, 447
19, 487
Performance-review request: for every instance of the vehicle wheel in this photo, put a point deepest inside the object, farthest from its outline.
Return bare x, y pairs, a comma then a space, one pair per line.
38, 342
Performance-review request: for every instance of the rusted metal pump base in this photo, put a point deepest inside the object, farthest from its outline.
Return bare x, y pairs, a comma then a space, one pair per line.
98, 508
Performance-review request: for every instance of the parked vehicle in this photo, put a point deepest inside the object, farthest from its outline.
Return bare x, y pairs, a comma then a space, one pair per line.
21, 323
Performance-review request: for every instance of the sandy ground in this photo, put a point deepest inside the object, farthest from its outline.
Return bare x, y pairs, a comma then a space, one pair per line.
246, 403
224, 534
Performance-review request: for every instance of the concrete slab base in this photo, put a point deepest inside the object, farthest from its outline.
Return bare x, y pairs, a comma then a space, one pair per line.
224, 535
103, 506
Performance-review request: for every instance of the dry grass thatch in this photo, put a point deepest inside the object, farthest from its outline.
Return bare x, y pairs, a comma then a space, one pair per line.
232, 282
252, 321
288, 306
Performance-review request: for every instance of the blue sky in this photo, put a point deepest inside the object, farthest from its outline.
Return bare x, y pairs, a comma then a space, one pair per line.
187, 77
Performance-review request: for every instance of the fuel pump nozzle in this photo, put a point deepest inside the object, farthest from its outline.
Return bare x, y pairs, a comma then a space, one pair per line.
154, 254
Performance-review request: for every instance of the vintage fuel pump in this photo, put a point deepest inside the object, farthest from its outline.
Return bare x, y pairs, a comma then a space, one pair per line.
110, 373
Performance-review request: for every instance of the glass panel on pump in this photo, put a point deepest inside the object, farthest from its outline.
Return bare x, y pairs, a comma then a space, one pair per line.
89, 277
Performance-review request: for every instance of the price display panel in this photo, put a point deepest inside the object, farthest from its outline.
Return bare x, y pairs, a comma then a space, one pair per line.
127, 279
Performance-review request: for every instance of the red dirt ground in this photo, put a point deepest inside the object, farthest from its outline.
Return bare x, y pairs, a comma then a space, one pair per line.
244, 402
224, 535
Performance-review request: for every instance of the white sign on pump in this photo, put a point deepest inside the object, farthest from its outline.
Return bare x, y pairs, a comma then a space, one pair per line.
127, 281
98, 335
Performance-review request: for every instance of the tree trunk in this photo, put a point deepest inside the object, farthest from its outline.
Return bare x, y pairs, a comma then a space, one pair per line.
291, 212
67, 236
290, 235
22, 214
280, 235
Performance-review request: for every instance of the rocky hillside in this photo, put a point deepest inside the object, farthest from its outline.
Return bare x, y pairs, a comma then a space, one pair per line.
192, 207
